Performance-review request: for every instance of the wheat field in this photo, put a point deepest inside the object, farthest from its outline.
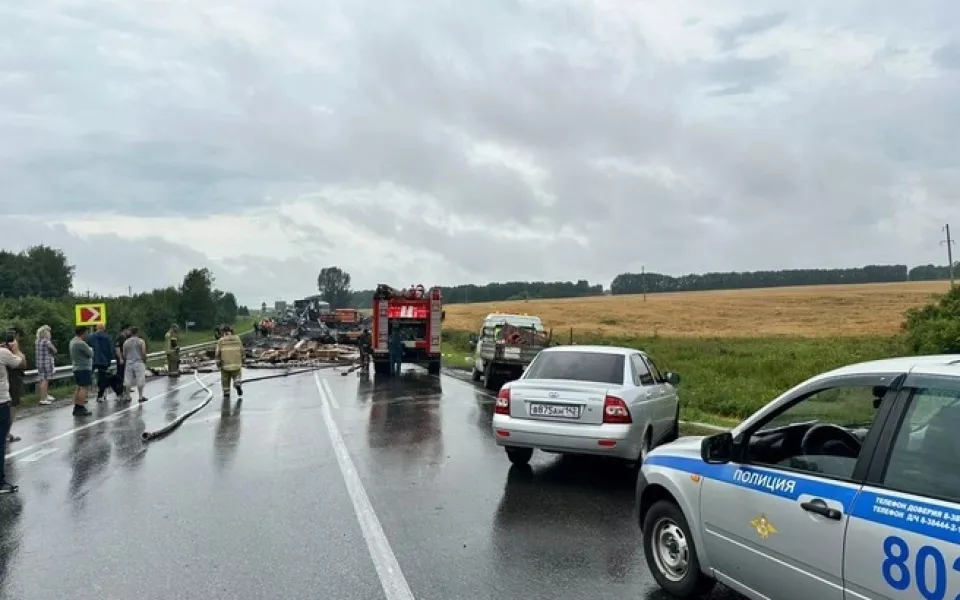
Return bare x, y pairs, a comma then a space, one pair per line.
809, 311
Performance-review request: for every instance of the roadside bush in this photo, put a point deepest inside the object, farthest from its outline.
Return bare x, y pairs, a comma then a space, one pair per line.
30, 313
935, 328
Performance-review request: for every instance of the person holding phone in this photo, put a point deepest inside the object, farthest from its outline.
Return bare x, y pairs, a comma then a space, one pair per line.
15, 377
10, 358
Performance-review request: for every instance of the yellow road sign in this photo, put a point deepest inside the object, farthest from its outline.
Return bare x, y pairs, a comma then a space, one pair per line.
91, 314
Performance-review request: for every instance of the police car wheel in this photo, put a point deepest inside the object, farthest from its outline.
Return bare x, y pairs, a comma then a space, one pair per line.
670, 553
519, 456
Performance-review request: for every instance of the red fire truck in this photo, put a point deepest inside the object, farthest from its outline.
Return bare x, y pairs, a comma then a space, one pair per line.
416, 313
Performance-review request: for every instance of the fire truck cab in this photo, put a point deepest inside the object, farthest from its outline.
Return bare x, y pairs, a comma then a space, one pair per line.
416, 313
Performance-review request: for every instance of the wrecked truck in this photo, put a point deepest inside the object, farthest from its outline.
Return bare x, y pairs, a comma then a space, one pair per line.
506, 346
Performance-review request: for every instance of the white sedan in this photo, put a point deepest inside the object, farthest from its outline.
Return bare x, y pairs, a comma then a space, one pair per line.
599, 400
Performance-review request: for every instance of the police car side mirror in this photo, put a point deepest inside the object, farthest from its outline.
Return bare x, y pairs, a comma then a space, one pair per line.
717, 449
473, 340
672, 378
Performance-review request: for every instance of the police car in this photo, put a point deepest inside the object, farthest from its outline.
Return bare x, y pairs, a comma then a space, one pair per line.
846, 486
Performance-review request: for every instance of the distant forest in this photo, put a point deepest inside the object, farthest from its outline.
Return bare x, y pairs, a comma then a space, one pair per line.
653, 283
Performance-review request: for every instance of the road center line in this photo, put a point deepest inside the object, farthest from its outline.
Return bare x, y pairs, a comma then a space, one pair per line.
330, 396
395, 586
112, 416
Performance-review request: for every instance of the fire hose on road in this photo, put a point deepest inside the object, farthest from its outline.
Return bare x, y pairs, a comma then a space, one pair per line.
147, 436
159, 433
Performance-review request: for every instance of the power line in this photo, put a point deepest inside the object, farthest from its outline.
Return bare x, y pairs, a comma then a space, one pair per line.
949, 244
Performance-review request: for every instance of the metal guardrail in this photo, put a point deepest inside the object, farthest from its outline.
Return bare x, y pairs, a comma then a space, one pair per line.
64, 371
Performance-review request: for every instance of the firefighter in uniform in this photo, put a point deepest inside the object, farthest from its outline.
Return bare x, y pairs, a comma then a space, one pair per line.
396, 352
229, 355
363, 341
172, 348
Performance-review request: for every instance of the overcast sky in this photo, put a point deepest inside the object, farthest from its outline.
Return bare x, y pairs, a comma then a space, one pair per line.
454, 142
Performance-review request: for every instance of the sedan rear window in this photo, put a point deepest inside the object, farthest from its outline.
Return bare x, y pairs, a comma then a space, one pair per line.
578, 366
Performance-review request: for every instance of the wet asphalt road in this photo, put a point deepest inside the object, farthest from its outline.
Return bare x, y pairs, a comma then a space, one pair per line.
329, 487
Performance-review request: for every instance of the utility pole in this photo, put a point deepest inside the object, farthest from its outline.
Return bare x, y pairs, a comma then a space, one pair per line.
643, 281
949, 243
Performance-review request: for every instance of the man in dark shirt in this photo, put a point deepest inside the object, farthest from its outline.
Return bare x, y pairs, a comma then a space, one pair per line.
103, 355
118, 388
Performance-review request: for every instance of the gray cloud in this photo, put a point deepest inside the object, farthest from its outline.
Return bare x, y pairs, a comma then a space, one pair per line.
731, 36
445, 134
948, 55
742, 75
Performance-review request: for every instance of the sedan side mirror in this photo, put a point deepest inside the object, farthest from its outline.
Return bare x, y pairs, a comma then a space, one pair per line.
672, 378
473, 340
717, 449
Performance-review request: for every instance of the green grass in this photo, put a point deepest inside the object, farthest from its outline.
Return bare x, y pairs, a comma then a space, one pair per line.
63, 388
725, 380
458, 358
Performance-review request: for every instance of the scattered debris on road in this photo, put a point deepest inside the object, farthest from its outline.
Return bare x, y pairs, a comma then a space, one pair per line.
274, 351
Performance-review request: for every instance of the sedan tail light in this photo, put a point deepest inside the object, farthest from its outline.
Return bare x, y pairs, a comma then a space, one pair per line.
503, 402
615, 410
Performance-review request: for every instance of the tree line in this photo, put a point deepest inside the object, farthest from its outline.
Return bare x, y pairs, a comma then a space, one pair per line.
652, 283
36, 289
334, 283
334, 286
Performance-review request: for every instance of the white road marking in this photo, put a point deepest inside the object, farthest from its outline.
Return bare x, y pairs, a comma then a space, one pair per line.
111, 417
330, 396
34, 457
395, 586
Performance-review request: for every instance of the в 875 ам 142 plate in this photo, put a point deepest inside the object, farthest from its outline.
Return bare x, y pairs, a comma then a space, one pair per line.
565, 411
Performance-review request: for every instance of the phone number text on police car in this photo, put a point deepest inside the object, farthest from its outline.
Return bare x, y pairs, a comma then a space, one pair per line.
912, 513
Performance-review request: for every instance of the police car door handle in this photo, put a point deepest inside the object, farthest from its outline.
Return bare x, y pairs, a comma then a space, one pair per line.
819, 507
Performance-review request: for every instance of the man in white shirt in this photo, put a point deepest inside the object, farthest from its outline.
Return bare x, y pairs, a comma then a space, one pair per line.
10, 358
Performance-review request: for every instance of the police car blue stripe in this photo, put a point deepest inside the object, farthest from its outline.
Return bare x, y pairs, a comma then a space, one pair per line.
769, 482
923, 518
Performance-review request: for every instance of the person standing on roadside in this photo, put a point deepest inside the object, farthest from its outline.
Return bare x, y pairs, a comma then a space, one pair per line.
229, 355
81, 357
44, 356
15, 377
102, 357
135, 357
172, 348
122, 392
10, 358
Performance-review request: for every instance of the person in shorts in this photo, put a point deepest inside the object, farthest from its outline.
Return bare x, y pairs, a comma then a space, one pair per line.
81, 357
135, 358
122, 392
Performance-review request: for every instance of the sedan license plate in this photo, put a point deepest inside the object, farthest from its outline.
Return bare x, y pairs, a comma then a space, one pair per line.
564, 411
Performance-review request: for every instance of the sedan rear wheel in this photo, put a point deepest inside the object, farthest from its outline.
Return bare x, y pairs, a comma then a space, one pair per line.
519, 456
670, 553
